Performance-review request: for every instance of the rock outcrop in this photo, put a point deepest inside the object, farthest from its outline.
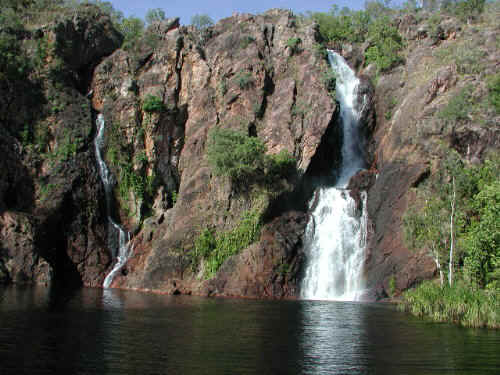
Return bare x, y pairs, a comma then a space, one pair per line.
412, 137
241, 74
52, 222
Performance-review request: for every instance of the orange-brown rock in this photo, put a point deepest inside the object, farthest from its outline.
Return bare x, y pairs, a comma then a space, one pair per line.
240, 74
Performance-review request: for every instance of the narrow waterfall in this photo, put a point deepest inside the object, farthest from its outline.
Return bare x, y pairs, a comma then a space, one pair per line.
336, 234
120, 249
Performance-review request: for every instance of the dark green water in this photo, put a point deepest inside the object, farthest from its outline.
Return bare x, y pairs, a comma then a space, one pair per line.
94, 331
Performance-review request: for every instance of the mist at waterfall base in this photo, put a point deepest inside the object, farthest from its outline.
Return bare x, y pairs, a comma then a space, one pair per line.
110, 331
120, 250
336, 233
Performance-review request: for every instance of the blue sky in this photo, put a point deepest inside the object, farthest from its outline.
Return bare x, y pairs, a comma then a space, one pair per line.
218, 9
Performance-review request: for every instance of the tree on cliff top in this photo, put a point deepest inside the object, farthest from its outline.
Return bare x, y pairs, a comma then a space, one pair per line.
154, 15
201, 21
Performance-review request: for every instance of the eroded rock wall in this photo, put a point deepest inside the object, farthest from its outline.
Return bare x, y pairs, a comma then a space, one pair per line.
412, 138
241, 74
52, 222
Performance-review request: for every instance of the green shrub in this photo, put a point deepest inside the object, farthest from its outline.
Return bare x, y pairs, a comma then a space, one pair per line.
469, 59
458, 107
294, 45
329, 79
132, 29
459, 304
246, 40
280, 165
236, 155
434, 23
244, 79
386, 42
342, 25
392, 286
494, 91
467, 10
153, 104
215, 249
320, 51
222, 86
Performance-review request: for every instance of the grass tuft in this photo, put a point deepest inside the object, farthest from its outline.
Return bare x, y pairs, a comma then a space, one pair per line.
459, 304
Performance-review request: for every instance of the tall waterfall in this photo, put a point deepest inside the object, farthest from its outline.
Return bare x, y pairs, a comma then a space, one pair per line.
119, 249
336, 234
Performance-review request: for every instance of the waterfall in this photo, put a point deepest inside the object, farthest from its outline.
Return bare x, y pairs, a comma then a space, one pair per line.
120, 249
336, 234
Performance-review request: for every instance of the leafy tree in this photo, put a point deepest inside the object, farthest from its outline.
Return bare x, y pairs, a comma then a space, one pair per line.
468, 10
410, 6
107, 7
385, 42
131, 28
482, 235
201, 21
494, 91
458, 220
378, 9
424, 228
154, 15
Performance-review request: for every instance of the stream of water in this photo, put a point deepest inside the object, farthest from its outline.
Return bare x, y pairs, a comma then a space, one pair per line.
120, 249
336, 234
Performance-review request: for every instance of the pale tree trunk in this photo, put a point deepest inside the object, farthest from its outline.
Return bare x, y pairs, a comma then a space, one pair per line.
452, 242
438, 265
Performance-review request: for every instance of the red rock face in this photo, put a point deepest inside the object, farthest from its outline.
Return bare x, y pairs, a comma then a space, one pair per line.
410, 140
240, 75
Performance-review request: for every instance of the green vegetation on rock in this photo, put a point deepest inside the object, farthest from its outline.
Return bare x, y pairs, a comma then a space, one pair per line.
372, 25
153, 104
385, 44
215, 248
494, 91
244, 79
294, 45
234, 154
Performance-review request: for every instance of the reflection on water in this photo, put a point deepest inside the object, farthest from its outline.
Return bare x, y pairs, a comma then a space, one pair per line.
95, 331
333, 336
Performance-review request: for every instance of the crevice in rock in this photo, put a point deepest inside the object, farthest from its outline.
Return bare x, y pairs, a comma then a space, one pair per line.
51, 244
321, 172
268, 90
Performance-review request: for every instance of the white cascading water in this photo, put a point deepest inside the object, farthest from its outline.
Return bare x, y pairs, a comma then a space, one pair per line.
336, 234
120, 250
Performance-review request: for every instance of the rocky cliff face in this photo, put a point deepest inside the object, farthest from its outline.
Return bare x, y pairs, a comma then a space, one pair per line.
413, 134
263, 75
52, 224
242, 74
